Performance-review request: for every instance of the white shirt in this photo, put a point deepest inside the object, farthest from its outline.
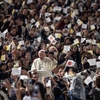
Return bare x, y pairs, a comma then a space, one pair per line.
30, 98
46, 64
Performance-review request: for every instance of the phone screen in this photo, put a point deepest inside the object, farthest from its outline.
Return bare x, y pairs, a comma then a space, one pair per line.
29, 82
36, 89
12, 94
47, 79
25, 82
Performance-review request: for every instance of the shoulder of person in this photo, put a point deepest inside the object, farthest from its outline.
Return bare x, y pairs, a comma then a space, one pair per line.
47, 59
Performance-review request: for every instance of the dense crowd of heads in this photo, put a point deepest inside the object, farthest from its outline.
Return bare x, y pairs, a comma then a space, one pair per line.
55, 42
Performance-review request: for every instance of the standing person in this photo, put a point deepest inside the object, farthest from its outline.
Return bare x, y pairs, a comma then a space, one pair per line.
96, 90
77, 90
43, 62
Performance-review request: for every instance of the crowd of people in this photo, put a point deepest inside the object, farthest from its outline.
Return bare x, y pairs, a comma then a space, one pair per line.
49, 49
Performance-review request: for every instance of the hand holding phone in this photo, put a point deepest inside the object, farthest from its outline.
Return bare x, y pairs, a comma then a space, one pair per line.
35, 90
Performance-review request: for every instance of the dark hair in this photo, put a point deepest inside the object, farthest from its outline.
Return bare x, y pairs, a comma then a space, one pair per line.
98, 81
42, 89
86, 65
34, 73
57, 92
2, 64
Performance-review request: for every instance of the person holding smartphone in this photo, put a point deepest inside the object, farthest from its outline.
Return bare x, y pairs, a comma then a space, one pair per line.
33, 93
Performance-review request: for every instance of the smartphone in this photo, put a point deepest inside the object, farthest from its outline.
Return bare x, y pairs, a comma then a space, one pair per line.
12, 94
47, 79
25, 82
29, 82
35, 90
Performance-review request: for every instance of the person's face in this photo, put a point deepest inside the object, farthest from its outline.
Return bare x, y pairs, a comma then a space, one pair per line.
13, 31
4, 67
85, 34
10, 65
92, 22
90, 46
25, 11
84, 48
97, 50
97, 14
32, 6
27, 56
32, 32
35, 77
14, 56
42, 55
15, 42
61, 1
95, 7
76, 28
67, 41
66, 20
75, 6
22, 51
85, 15
74, 49
43, 46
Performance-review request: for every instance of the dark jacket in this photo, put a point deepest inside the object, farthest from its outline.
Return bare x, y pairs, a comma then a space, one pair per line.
96, 94
3, 75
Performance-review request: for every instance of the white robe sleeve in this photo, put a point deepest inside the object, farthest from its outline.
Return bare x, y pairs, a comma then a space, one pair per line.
33, 66
53, 64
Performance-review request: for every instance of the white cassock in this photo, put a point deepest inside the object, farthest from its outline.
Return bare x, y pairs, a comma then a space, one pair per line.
44, 65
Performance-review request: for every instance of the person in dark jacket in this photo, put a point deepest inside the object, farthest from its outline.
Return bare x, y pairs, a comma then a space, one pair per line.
96, 90
58, 93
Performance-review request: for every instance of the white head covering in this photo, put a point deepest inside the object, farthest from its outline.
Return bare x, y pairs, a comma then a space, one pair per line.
77, 89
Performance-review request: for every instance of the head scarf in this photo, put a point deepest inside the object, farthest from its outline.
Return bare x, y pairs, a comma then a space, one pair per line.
77, 89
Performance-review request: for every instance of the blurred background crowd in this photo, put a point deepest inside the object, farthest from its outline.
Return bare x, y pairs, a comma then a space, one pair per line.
49, 49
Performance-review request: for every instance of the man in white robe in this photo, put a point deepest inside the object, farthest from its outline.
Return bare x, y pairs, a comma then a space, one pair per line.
44, 63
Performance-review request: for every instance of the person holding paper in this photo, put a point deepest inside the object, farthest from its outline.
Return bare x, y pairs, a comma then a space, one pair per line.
43, 62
